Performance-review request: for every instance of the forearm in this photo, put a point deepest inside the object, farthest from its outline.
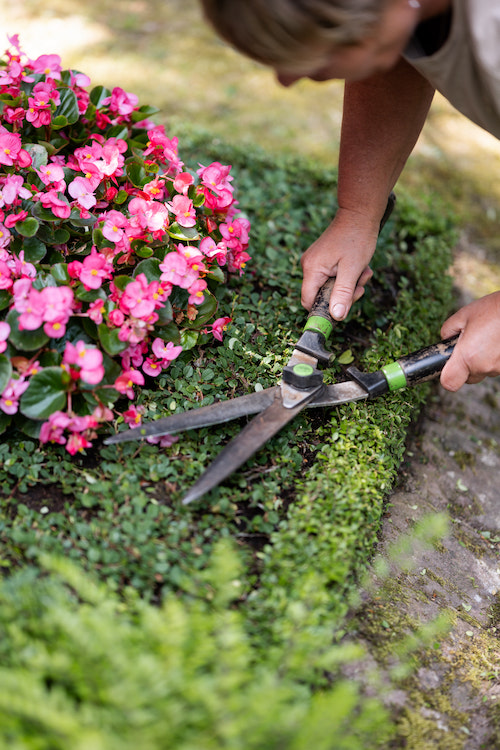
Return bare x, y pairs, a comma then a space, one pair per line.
383, 117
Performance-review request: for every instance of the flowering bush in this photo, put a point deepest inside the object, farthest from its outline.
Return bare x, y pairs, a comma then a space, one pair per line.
110, 249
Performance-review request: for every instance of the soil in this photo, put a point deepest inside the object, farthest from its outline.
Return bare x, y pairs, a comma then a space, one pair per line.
452, 467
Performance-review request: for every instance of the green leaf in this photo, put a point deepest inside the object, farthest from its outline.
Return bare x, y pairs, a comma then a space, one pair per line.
217, 274
5, 372
206, 309
346, 358
28, 227
60, 272
150, 268
144, 251
45, 395
5, 420
39, 154
183, 233
144, 112
189, 339
44, 214
165, 314
27, 341
68, 108
98, 94
34, 249
109, 340
59, 122
136, 173
5, 299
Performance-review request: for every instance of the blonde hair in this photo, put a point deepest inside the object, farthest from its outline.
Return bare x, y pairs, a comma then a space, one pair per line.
290, 33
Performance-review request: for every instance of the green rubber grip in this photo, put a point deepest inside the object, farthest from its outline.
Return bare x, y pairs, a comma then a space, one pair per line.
395, 376
319, 324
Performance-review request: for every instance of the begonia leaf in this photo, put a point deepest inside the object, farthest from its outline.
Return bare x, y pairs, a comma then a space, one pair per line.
150, 268
5, 372
39, 154
68, 107
59, 122
98, 94
59, 272
117, 131
25, 340
44, 213
217, 274
144, 251
189, 339
165, 313
206, 309
171, 333
34, 249
183, 233
46, 394
28, 227
144, 112
136, 173
28, 426
5, 299
5, 420
109, 340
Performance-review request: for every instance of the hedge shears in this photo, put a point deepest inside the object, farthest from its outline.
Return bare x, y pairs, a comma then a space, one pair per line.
301, 387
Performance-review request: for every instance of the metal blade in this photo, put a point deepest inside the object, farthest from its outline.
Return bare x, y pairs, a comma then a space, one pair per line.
225, 411
204, 416
245, 444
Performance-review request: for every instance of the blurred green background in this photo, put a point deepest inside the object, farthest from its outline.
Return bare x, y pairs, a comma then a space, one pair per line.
168, 56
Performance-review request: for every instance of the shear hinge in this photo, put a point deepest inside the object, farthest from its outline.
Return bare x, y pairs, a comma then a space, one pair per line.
374, 383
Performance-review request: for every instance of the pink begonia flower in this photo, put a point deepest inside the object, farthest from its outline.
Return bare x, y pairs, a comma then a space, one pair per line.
237, 261
112, 159
164, 149
77, 443
12, 219
166, 352
133, 416
113, 228
116, 318
32, 310
121, 102
94, 270
196, 296
150, 215
193, 256
82, 190
4, 335
236, 232
155, 189
50, 65
20, 267
5, 236
59, 206
184, 211
124, 383
95, 311
177, 271
137, 298
5, 276
183, 182
11, 189
88, 358
52, 430
219, 326
164, 441
52, 174
218, 251
10, 146
9, 401
152, 366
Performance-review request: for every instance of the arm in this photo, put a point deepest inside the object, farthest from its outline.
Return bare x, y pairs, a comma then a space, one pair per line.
477, 353
382, 119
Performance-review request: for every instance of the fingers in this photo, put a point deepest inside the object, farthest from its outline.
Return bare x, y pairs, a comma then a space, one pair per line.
347, 289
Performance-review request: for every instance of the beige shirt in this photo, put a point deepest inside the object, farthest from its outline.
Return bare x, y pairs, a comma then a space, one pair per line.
466, 69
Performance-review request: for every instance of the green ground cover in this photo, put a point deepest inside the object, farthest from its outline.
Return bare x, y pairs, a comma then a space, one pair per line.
255, 580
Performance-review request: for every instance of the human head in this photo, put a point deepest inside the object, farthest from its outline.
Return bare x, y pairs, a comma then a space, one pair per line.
291, 34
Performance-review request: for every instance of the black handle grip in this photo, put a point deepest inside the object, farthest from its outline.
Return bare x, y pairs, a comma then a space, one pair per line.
417, 367
428, 362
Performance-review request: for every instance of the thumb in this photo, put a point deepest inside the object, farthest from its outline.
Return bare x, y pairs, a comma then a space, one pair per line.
455, 372
343, 294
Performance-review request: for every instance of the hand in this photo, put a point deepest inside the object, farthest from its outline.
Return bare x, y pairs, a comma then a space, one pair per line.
477, 353
344, 251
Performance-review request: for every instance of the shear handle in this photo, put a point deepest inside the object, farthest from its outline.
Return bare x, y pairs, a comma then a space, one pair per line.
424, 364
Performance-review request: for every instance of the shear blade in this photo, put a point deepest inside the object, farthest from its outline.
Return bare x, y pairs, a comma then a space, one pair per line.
256, 433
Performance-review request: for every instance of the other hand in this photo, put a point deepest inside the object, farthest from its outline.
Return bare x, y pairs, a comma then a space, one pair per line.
477, 352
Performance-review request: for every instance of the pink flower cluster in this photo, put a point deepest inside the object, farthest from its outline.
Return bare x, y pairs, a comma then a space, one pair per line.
109, 246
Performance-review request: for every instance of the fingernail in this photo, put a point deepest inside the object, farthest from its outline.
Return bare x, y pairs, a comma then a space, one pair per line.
339, 312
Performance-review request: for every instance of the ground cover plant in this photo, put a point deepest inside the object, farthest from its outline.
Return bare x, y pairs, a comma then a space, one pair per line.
303, 515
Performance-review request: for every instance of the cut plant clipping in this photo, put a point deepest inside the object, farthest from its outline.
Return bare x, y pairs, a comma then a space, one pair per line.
111, 250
